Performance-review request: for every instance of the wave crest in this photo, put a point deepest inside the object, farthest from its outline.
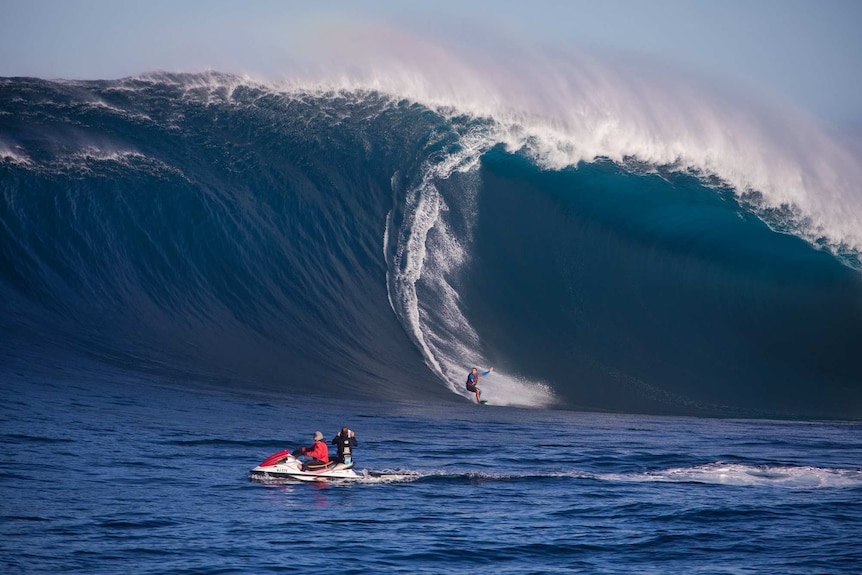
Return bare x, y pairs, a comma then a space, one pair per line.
567, 107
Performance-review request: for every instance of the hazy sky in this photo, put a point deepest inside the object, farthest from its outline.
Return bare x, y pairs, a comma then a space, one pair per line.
808, 53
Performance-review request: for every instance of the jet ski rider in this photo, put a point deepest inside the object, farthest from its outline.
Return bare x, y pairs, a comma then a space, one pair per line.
318, 452
345, 441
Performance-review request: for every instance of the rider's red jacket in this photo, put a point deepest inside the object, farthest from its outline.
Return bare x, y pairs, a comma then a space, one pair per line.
318, 451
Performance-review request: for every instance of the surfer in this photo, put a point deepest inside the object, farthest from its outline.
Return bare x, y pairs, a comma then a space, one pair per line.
318, 452
345, 441
473, 379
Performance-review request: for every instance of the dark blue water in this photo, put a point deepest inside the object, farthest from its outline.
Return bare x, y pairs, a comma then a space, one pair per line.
121, 476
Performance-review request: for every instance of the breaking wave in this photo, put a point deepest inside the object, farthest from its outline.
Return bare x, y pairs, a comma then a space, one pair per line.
604, 245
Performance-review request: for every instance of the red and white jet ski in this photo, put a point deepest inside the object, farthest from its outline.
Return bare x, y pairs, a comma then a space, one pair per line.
283, 465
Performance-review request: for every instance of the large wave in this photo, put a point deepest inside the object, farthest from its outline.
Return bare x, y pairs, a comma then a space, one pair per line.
378, 234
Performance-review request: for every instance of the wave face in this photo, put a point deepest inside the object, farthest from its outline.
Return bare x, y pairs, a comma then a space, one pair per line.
356, 243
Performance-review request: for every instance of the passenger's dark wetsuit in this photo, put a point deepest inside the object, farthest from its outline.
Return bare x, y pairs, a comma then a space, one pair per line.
345, 442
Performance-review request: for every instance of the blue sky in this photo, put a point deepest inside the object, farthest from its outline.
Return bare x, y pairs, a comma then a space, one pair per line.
807, 53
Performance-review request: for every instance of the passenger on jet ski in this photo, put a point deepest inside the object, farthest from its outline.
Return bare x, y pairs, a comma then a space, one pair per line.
318, 452
345, 441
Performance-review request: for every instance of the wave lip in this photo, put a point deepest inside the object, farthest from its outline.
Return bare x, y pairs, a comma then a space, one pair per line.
567, 107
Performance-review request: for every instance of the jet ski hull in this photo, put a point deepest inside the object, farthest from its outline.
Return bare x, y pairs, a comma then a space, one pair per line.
284, 466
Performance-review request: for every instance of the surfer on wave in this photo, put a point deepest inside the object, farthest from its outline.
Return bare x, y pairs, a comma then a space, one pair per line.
473, 379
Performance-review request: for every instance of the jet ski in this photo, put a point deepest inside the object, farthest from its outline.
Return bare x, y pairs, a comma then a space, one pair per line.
284, 465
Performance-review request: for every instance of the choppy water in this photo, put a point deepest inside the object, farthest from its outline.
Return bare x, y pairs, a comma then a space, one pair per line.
108, 477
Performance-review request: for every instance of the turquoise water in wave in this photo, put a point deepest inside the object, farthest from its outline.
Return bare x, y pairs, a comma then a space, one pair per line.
128, 477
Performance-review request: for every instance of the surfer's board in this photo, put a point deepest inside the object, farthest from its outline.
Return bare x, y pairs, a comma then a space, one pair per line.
484, 401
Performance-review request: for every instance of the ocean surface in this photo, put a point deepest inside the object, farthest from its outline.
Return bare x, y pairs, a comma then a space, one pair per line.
124, 477
197, 270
